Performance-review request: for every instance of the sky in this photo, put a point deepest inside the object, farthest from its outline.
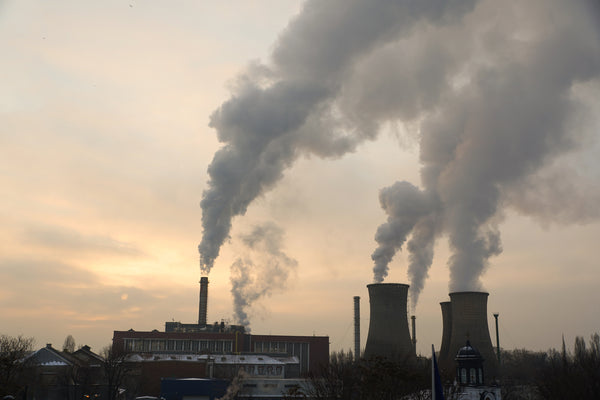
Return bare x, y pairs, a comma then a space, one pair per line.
471, 127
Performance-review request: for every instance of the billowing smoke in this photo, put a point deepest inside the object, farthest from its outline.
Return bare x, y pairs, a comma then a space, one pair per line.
289, 107
515, 106
496, 94
263, 272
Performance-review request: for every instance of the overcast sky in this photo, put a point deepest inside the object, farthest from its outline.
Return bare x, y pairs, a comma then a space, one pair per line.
105, 145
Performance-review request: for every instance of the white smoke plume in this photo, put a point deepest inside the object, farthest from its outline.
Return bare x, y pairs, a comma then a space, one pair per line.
263, 272
496, 94
513, 108
286, 108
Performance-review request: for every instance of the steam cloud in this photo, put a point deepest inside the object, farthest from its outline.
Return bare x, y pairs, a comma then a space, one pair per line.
513, 108
288, 108
496, 94
251, 281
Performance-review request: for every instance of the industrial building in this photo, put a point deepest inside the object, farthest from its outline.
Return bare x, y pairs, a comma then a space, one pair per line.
217, 351
221, 350
311, 351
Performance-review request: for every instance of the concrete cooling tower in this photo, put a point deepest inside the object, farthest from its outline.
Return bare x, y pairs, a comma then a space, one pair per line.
468, 320
388, 324
446, 330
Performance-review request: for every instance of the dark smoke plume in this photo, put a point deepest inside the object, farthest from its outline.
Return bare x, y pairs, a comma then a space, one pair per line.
264, 271
497, 95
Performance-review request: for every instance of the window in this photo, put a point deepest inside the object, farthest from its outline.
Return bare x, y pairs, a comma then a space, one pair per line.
157, 345
472, 375
128, 344
463, 375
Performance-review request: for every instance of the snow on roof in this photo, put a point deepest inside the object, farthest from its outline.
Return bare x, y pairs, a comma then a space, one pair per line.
47, 356
216, 358
246, 359
53, 364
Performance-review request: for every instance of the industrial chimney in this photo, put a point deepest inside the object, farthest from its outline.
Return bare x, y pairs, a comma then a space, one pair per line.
356, 328
203, 301
469, 321
388, 324
414, 332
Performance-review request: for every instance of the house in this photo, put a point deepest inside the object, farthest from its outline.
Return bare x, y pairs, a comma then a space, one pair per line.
52, 374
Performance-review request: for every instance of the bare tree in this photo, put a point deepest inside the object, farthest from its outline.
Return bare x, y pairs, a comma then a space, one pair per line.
116, 370
69, 344
12, 352
374, 378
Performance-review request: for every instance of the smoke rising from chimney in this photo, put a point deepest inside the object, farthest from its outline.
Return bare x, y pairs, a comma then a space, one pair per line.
291, 107
512, 109
495, 96
264, 271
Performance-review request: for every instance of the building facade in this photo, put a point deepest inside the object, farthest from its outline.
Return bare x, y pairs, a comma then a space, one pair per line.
312, 352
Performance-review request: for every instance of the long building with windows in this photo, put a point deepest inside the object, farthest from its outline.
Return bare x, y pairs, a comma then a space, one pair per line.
312, 352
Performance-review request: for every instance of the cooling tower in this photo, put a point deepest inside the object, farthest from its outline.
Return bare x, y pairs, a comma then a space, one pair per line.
203, 301
469, 322
388, 324
446, 329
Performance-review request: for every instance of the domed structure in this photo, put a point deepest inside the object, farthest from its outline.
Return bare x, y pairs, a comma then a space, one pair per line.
469, 370
470, 376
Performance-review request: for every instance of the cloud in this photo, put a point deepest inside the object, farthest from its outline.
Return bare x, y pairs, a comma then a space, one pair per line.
74, 241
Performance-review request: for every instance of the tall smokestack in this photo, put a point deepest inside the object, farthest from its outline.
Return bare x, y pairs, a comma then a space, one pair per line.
469, 322
446, 329
202, 307
414, 332
388, 324
356, 328
497, 337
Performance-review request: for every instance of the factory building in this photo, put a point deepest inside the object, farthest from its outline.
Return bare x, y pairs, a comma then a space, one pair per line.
221, 339
311, 351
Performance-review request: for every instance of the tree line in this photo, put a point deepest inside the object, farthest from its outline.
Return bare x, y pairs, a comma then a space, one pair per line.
524, 375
